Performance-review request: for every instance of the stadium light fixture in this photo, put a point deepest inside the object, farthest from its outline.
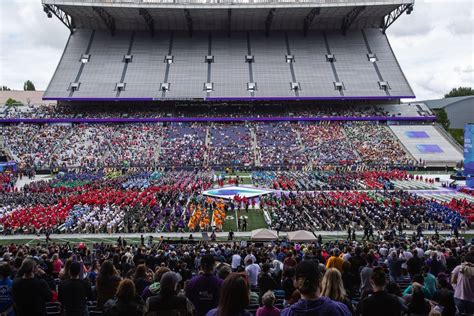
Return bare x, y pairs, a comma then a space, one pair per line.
339, 85
290, 58
120, 86
330, 58
164, 86
372, 57
383, 85
85, 58
169, 59
208, 86
74, 86
209, 59
127, 58
251, 86
249, 59
295, 86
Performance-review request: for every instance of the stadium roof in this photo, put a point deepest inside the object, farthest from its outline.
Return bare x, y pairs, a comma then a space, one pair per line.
443, 103
231, 15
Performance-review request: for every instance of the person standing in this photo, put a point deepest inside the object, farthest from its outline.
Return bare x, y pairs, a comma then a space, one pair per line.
74, 293
380, 300
204, 290
6, 301
253, 270
30, 294
463, 282
312, 303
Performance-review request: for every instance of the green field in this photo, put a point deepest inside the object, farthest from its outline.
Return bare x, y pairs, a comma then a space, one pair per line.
255, 220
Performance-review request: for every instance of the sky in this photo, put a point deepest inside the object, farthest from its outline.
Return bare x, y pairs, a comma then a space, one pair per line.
434, 45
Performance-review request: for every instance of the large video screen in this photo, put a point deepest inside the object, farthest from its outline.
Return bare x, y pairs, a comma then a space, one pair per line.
468, 150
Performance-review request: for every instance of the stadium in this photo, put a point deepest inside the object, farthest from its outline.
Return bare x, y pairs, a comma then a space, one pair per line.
255, 149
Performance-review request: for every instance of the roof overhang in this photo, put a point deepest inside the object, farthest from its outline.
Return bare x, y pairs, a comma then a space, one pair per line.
214, 15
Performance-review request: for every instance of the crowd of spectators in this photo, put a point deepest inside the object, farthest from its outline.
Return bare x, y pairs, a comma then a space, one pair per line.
252, 109
404, 276
183, 145
278, 145
327, 143
376, 145
231, 145
267, 145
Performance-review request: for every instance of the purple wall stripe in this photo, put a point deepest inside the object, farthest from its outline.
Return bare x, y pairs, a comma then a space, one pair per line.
214, 119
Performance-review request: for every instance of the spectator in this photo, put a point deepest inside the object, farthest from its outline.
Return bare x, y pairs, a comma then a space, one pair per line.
74, 293
265, 281
288, 283
154, 288
311, 302
93, 272
333, 288
204, 290
463, 281
234, 297
57, 265
140, 278
107, 283
395, 266
126, 301
253, 270
335, 261
444, 296
6, 301
30, 293
168, 300
414, 264
268, 299
365, 276
417, 279
429, 280
380, 300
418, 305
348, 279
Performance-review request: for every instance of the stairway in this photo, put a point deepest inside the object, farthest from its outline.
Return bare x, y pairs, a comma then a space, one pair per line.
253, 140
207, 142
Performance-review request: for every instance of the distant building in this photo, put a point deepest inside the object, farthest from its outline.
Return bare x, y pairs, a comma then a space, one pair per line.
460, 110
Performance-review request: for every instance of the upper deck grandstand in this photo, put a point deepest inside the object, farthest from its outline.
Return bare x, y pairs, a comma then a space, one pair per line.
158, 50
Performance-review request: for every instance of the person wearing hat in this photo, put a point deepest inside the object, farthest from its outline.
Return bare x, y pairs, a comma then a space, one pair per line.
168, 301
204, 289
308, 283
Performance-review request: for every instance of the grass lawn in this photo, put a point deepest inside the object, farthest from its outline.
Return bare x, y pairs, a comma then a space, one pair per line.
255, 220
458, 134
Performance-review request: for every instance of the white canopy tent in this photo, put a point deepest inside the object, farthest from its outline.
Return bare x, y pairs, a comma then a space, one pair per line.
263, 234
301, 235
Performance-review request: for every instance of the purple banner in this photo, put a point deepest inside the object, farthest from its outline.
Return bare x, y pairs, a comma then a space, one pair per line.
214, 119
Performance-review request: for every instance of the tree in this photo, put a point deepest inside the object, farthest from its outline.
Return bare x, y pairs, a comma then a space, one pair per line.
442, 118
11, 102
29, 86
5, 88
460, 92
